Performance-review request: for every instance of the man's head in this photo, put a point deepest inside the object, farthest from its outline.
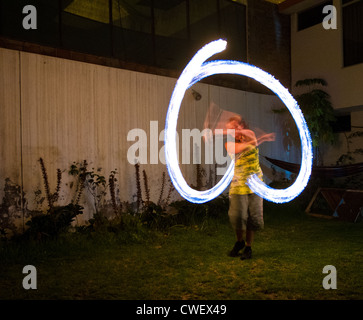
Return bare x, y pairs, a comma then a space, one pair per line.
236, 122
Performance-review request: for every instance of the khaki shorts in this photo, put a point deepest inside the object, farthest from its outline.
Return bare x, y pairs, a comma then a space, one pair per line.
246, 212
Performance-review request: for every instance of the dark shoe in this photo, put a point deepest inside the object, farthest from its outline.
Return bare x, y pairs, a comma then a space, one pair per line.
238, 246
247, 253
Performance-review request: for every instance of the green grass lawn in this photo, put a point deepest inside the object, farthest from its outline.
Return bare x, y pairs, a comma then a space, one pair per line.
191, 262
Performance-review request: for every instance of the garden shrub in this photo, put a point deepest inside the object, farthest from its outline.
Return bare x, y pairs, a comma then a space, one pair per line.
57, 220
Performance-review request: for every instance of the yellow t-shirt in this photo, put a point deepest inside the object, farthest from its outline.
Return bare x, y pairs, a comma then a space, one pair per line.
246, 164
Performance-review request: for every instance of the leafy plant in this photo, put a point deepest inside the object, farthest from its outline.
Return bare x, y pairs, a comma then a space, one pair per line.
167, 199
92, 180
51, 197
146, 186
318, 111
191, 213
200, 174
10, 208
56, 219
153, 215
138, 186
161, 189
80, 171
49, 225
96, 185
348, 157
112, 186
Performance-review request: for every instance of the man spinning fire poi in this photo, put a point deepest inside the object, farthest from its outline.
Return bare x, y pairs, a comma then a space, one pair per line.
245, 207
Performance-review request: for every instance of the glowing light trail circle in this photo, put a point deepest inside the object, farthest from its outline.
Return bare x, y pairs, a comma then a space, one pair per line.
196, 70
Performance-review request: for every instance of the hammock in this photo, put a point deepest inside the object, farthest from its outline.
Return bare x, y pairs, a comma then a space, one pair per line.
321, 171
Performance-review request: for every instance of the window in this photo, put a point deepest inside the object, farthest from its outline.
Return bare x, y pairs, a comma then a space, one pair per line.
160, 33
312, 16
353, 32
85, 26
11, 21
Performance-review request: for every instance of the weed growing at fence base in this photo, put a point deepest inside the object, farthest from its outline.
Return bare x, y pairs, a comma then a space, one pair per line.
190, 261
